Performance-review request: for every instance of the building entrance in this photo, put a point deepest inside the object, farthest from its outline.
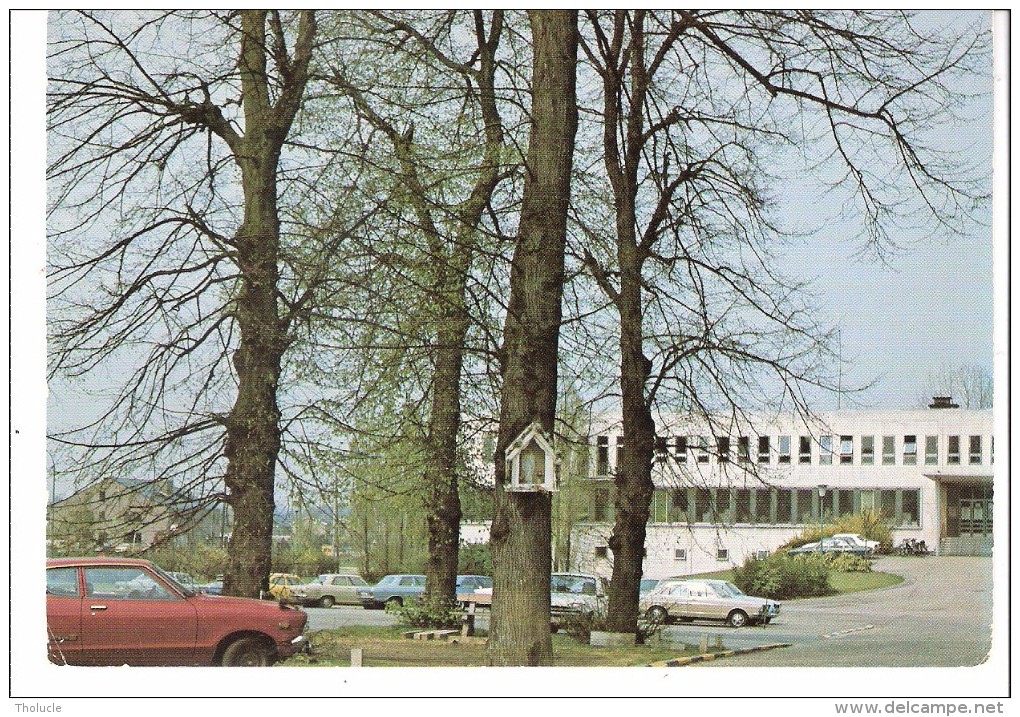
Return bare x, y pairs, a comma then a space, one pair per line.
969, 521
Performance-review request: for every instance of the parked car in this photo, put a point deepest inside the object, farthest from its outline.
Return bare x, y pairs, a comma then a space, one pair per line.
870, 545
469, 584
211, 588
185, 579
117, 611
280, 585
707, 600
647, 585
576, 594
329, 589
393, 590
831, 545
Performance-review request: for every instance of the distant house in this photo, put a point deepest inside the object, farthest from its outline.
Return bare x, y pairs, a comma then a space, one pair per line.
121, 514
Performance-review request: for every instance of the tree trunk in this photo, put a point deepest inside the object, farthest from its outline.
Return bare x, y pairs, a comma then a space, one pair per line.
521, 528
253, 425
442, 499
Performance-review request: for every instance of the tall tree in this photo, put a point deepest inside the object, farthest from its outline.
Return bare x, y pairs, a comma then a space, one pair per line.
521, 527
689, 271
145, 145
443, 167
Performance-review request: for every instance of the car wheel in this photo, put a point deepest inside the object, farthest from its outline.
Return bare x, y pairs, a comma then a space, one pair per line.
327, 601
247, 652
737, 618
393, 603
657, 614
767, 620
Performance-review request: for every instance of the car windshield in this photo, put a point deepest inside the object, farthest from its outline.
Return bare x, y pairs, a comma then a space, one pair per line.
729, 589
574, 584
358, 580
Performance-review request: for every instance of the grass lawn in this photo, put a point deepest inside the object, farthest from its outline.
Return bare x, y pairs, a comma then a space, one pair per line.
842, 583
387, 647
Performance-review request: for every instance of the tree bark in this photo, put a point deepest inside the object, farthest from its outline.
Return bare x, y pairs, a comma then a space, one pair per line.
521, 529
253, 424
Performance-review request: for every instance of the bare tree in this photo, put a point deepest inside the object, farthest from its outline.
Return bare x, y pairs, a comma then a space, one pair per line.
690, 101
164, 179
968, 385
521, 527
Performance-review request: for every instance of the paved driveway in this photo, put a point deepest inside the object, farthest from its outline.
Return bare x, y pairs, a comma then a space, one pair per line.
940, 616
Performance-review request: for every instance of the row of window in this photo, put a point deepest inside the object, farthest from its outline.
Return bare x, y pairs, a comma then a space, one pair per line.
827, 449
766, 506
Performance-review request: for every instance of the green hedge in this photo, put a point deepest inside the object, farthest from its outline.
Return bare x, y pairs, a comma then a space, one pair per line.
781, 577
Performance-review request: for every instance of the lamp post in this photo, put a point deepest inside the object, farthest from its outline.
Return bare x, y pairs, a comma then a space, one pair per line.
821, 495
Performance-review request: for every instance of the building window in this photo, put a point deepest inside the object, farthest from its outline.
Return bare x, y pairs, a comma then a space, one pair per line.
825, 450
603, 508
953, 450
784, 449
910, 450
602, 456
764, 452
910, 513
743, 449
701, 448
678, 506
602, 552
703, 506
931, 450
743, 505
888, 450
724, 505
975, 450
762, 506
681, 449
887, 504
680, 554
846, 449
660, 449
723, 445
805, 498
761, 554
804, 454
784, 507
844, 502
722, 554
867, 450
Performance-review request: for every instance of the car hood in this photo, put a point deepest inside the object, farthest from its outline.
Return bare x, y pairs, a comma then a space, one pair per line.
238, 603
568, 599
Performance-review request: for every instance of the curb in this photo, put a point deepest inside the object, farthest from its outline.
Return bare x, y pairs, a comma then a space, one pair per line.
708, 656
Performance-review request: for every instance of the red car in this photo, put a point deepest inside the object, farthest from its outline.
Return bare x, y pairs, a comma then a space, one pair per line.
120, 611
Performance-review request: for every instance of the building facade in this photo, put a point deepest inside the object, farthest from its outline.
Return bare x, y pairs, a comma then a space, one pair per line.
730, 488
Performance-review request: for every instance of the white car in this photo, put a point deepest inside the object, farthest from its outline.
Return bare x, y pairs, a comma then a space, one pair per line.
869, 545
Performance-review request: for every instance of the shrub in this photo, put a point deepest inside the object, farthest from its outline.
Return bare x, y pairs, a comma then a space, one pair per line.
868, 524
781, 576
847, 563
432, 616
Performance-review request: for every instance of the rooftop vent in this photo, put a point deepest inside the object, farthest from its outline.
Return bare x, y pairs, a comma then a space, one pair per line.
943, 402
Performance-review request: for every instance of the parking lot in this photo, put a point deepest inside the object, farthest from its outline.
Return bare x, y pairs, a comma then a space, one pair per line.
940, 616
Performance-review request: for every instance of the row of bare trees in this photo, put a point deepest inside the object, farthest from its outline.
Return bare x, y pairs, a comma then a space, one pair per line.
308, 238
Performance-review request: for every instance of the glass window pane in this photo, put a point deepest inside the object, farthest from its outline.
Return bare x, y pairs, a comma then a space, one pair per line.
909, 450
931, 450
124, 584
764, 450
804, 449
62, 582
825, 451
867, 450
784, 508
784, 449
953, 450
846, 449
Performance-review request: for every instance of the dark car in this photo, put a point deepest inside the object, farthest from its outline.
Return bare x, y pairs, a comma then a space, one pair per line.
120, 611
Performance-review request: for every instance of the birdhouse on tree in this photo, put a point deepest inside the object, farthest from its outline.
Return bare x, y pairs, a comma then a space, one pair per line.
531, 462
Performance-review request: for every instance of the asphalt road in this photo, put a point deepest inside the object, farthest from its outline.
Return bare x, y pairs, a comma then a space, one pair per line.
940, 616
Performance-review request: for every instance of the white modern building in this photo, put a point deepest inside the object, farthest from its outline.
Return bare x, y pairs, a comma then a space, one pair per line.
729, 488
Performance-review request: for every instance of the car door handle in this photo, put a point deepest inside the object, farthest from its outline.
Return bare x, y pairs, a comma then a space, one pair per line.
65, 638
97, 607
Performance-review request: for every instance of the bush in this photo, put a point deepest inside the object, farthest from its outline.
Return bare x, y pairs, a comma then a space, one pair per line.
432, 616
847, 563
868, 524
781, 576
